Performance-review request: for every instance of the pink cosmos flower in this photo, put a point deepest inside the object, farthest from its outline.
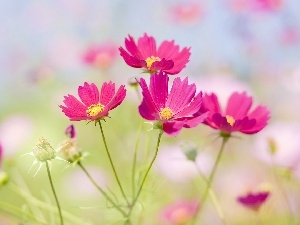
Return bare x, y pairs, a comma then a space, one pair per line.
236, 116
101, 56
180, 212
253, 200
95, 104
172, 111
144, 54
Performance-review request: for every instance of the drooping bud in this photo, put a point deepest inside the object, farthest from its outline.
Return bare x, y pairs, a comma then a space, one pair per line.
190, 151
44, 151
70, 131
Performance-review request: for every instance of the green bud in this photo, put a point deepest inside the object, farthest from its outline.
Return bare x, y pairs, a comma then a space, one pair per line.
3, 178
44, 151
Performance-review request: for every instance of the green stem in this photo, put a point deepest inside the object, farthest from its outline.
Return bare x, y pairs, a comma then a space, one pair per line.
19, 212
31, 199
112, 164
55, 196
212, 196
146, 174
210, 180
100, 189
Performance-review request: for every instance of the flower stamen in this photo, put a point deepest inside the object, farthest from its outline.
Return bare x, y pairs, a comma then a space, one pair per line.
166, 113
230, 120
150, 60
94, 109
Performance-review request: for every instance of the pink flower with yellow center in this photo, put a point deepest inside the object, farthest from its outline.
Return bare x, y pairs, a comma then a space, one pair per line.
144, 54
172, 111
253, 200
94, 104
236, 116
180, 212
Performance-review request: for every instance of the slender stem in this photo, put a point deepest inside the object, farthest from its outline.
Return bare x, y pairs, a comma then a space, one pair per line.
19, 212
212, 196
134, 158
210, 180
112, 164
285, 196
100, 189
55, 196
146, 174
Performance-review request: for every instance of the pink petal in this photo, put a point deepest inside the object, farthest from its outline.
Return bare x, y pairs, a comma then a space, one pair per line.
132, 48
148, 107
180, 61
172, 128
131, 60
261, 114
238, 105
192, 108
162, 65
147, 46
88, 94
180, 95
195, 121
159, 89
107, 93
167, 50
118, 98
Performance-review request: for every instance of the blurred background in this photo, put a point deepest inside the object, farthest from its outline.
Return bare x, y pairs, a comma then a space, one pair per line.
49, 48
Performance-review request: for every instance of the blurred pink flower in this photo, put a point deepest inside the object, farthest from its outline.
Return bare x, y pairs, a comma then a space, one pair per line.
187, 12
256, 5
180, 212
172, 164
15, 131
145, 55
253, 200
172, 111
80, 187
236, 116
279, 144
95, 105
101, 56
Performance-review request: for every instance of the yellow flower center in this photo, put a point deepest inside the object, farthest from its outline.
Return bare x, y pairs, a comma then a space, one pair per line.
166, 113
151, 60
230, 120
94, 109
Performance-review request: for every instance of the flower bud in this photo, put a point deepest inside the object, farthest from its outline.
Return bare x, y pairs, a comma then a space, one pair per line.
44, 151
70, 150
3, 178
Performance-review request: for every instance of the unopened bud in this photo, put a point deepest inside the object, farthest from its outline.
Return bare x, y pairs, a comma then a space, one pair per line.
3, 178
70, 150
190, 151
44, 151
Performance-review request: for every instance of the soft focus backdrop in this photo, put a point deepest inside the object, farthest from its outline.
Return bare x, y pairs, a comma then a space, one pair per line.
48, 49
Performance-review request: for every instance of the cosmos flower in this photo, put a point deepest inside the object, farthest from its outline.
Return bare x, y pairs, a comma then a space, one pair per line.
236, 116
253, 200
187, 12
144, 54
95, 104
101, 56
180, 212
171, 111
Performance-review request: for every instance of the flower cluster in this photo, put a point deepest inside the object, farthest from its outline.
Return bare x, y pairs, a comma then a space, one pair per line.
171, 110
